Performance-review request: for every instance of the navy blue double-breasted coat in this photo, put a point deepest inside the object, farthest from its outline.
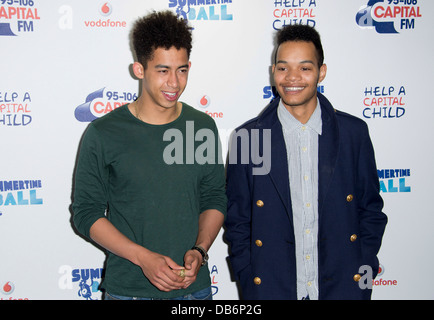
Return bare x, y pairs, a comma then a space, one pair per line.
259, 225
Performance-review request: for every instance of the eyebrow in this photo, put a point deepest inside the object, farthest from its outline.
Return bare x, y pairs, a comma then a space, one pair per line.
301, 62
162, 66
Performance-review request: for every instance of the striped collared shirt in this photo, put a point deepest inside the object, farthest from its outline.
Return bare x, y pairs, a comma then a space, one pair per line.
301, 142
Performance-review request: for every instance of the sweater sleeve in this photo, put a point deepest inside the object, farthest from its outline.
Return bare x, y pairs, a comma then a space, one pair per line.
213, 183
91, 183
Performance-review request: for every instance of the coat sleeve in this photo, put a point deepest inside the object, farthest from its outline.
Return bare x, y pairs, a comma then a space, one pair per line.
238, 220
372, 220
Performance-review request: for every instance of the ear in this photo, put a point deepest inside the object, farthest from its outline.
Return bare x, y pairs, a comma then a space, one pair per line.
138, 70
322, 73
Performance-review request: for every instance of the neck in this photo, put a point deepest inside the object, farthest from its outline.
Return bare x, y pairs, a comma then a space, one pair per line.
302, 112
155, 116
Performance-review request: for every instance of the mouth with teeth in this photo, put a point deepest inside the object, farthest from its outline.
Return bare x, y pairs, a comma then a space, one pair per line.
293, 89
171, 96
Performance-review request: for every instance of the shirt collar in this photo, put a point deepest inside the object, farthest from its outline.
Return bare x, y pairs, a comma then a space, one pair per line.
289, 123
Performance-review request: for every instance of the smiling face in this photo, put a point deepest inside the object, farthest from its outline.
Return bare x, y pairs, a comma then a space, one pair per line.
296, 77
164, 78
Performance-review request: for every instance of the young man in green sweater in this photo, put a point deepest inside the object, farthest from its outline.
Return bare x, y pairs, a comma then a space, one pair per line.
146, 188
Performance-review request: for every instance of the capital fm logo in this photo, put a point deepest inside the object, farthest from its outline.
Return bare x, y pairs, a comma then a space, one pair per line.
389, 16
101, 102
206, 10
18, 17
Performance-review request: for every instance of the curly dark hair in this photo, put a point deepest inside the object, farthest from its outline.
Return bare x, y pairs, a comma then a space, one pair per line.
159, 30
300, 32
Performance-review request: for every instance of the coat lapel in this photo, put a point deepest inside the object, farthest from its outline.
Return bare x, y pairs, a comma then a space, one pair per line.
279, 162
327, 153
328, 149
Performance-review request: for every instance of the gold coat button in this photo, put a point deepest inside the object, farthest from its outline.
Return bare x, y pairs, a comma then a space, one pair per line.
260, 203
353, 237
350, 198
357, 277
258, 243
257, 281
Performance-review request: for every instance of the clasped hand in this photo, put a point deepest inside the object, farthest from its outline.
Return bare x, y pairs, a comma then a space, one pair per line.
167, 275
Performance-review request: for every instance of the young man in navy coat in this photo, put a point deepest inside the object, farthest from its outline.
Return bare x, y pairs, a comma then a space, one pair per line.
305, 216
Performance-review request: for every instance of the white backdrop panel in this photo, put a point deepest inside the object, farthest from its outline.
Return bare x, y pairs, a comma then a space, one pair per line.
55, 55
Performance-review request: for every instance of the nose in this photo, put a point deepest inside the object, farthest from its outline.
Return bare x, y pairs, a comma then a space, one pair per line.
173, 81
292, 75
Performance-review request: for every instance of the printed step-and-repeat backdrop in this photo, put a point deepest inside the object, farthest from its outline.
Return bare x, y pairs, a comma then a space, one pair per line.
61, 57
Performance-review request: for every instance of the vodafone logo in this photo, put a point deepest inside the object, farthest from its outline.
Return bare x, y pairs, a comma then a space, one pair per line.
106, 9
204, 102
380, 270
379, 281
8, 288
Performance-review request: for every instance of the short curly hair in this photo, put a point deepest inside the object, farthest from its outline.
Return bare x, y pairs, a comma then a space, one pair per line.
160, 30
300, 32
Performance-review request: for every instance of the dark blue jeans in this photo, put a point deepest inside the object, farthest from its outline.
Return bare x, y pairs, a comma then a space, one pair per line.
204, 294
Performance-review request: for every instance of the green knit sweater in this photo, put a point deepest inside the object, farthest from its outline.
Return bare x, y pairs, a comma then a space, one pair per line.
151, 183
